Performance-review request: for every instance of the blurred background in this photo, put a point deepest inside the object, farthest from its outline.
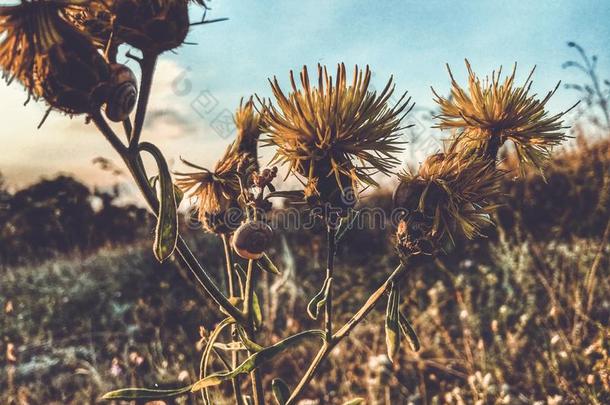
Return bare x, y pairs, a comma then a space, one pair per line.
519, 317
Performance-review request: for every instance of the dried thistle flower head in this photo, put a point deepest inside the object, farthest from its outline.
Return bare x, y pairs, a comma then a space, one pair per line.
51, 58
452, 195
218, 192
338, 134
153, 26
492, 112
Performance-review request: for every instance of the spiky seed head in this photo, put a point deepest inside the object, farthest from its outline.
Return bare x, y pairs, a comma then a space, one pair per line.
493, 111
453, 194
338, 134
52, 59
153, 26
218, 192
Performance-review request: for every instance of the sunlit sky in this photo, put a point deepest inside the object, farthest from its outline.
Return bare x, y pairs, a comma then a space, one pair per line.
410, 39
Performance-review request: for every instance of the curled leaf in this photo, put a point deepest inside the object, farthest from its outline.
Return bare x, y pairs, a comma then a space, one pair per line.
256, 360
281, 392
128, 394
166, 231
392, 328
319, 300
256, 311
409, 333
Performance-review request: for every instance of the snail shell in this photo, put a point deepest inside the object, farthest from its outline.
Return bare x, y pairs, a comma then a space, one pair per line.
123, 93
252, 239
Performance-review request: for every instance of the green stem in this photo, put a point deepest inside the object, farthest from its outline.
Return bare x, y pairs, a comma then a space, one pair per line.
249, 293
235, 382
133, 162
229, 264
330, 265
342, 333
258, 393
148, 64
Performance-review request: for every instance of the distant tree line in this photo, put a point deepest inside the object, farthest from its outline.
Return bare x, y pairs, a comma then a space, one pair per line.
62, 216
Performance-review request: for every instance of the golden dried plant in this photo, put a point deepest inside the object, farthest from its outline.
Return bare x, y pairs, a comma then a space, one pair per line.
338, 134
491, 112
53, 60
453, 194
153, 26
219, 190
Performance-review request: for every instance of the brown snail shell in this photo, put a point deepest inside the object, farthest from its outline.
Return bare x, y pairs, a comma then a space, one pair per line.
123, 93
251, 239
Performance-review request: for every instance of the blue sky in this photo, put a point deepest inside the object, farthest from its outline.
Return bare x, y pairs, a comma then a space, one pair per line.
410, 39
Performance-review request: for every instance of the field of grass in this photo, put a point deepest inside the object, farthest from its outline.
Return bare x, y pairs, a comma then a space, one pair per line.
518, 318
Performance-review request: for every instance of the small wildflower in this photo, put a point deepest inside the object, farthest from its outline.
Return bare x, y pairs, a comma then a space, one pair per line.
116, 369
11, 357
8, 307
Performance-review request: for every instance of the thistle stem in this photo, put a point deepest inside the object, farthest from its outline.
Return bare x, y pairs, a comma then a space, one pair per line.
147, 64
249, 293
229, 265
330, 264
235, 382
133, 161
258, 392
342, 333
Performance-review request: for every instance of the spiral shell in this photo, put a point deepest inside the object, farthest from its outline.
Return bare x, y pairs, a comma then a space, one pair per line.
123, 93
251, 239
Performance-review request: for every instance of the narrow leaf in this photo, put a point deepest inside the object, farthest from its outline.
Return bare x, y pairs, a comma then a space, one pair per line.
281, 392
355, 401
319, 300
267, 265
256, 360
230, 347
409, 333
392, 328
256, 311
207, 351
128, 394
166, 231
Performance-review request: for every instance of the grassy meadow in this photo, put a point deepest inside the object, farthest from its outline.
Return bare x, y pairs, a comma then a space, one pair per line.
519, 317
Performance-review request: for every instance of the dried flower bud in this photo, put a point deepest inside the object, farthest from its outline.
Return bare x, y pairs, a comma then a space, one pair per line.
152, 25
50, 57
452, 194
219, 191
252, 239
